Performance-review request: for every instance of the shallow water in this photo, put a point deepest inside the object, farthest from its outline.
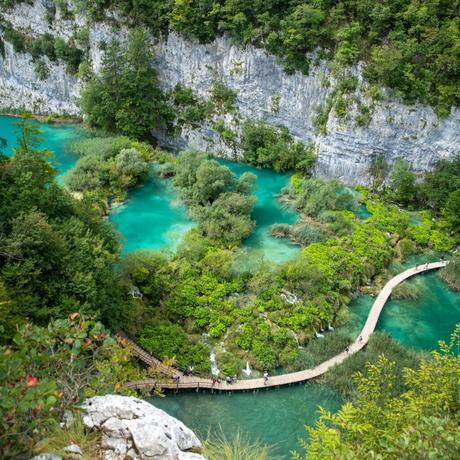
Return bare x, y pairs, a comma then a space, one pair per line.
56, 138
419, 323
152, 217
268, 211
275, 417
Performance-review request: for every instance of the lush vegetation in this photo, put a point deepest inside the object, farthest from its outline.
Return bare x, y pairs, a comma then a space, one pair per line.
108, 167
56, 255
421, 422
125, 97
340, 378
451, 274
410, 45
268, 147
47, 371
220, 203
437, 192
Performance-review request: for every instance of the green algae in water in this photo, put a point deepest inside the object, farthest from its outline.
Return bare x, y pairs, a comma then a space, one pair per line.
275, 416
268, 211
56, 138
152, 217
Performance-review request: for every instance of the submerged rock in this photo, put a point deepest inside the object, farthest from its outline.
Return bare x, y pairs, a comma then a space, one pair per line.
134, 429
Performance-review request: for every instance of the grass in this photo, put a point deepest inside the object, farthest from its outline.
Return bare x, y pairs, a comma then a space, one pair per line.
340, 378
239, 448
59, 438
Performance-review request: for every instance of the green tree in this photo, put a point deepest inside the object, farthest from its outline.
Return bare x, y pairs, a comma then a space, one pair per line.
421, 423
46, 371
451, 209
402, 186
126, 96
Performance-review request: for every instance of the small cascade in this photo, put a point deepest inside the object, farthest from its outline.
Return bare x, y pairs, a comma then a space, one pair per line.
296, 338
319, 335
214, 369
248, 370
330, 327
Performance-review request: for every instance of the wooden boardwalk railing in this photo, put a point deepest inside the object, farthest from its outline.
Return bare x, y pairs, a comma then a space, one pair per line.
190, 382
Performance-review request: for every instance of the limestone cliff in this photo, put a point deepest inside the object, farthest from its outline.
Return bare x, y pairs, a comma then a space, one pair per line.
264, 92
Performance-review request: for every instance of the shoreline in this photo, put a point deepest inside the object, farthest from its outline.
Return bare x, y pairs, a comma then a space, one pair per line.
47, 119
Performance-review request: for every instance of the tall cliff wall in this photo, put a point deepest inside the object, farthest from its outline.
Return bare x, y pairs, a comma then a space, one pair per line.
346, 151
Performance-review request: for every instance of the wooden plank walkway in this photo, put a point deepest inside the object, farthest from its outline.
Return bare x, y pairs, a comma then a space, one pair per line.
190, 382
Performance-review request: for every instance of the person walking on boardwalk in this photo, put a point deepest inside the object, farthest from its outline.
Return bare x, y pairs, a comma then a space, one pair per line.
176, 378
265, 378
213, 381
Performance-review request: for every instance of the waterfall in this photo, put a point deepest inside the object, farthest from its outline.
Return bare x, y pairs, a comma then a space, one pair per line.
248, 370
214, 369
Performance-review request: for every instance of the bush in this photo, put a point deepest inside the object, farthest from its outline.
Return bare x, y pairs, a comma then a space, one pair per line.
108, 166
268, 147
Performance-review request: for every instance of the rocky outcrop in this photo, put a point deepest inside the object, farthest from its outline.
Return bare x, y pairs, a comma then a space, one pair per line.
20, 89
264, 92
134, 429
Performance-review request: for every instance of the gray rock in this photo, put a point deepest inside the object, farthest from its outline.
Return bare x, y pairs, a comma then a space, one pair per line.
47, 457
132, 428
347, 151
73, 449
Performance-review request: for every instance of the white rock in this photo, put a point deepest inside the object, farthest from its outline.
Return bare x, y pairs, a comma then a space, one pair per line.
47, 457
132, 428
73, 449
346, 152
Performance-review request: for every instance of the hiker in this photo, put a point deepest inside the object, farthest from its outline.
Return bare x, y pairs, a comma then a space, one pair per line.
347, 349
265, 378
360, 338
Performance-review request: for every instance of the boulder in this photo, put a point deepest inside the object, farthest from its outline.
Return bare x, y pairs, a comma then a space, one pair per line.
134, 429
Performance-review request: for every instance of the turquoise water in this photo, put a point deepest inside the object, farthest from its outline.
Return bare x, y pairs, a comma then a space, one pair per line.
417, 323
152, 217
363, 212
275, 417
55, 138
268, 211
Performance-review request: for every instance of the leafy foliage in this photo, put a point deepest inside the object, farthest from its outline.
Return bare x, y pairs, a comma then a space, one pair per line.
56, 255
409, 45
108, 167
126, 96
268, 147
48, 370
422, 422
218, 201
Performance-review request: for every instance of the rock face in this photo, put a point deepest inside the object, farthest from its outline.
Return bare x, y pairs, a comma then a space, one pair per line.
264, 92
134, 429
